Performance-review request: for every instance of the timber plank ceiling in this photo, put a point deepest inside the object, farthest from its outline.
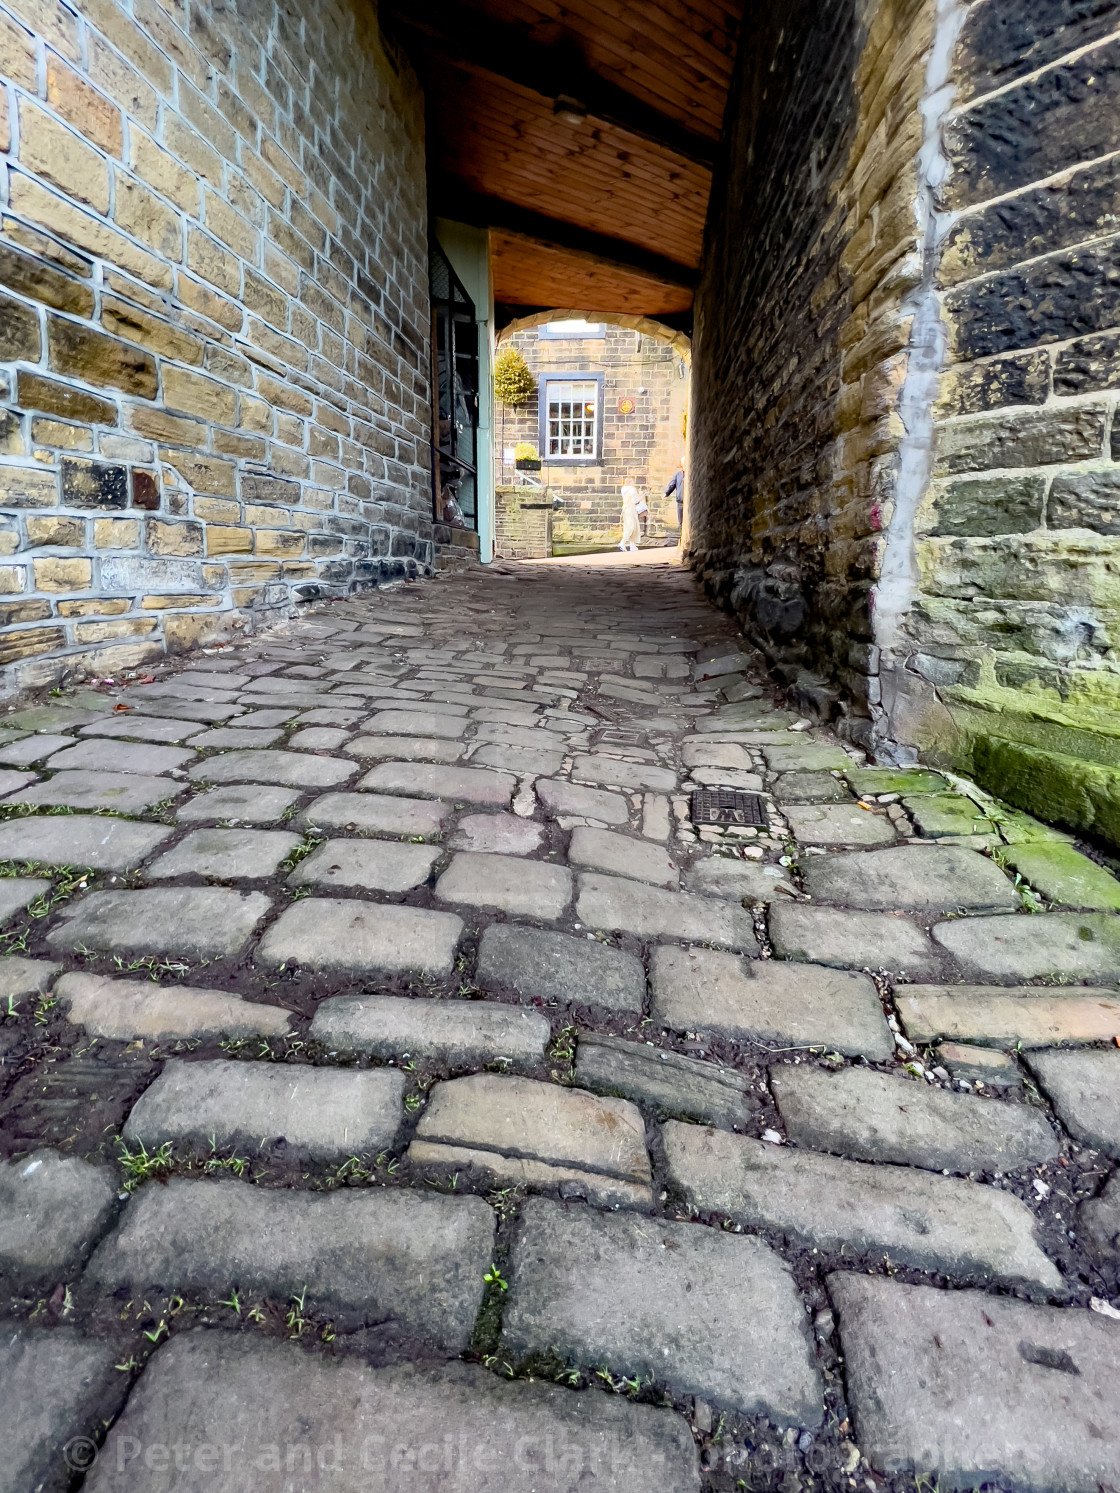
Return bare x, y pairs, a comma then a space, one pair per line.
582, 133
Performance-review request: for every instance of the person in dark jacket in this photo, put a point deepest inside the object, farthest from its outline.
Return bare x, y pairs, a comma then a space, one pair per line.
676, 490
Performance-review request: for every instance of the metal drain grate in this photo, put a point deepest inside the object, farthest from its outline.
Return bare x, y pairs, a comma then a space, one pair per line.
726, 806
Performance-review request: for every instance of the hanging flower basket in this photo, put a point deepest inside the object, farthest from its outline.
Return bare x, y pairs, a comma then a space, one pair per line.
526, 458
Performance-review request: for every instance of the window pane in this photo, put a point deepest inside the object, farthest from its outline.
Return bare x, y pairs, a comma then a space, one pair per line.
572, 411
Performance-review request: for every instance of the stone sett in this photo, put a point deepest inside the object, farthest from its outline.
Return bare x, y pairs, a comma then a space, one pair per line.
711, 1314
878, 1117
977, 1388
324, 1113
206, 1388
455, 1031
540, 965
376, 1255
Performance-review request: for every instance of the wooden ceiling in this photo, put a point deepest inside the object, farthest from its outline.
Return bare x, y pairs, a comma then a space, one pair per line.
604, 210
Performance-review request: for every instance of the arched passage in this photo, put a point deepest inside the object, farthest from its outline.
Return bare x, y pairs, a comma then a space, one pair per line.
609, 407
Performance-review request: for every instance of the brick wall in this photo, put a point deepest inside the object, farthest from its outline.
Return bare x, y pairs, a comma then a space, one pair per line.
643, 447
212, 323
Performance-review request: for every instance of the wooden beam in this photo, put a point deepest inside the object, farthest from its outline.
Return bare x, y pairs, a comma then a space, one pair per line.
553, 71
452, 198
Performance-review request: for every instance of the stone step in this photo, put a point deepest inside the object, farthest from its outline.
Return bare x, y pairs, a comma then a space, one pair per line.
967, 1388
318, 1112
879, 1117
1084, 1087
537, 964
92, 840
540, 1134
1080, 946
125, 1010
52, 1210
910, 878
368, 1256
619, 905
769, 1001
257, 1404
473, 785
506, 883
705, 1312
810, 788
863, 940
175, 922
285, 769
59, 1391
1029, 1015
611, 773
452, 1031
667, 1080
941, 1224
357, 937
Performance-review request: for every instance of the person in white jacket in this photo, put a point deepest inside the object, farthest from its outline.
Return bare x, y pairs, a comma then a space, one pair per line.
631, 529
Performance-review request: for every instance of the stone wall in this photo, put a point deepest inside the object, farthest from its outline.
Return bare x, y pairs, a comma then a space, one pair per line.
813, 246
1008, 655
213, 327
522, 524
904, 467
643, 446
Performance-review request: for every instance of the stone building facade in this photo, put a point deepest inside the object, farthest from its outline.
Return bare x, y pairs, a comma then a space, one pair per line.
213, 322
647, 369
905, 458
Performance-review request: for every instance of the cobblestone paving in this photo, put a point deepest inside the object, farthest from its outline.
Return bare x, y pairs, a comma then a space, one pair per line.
399, 1091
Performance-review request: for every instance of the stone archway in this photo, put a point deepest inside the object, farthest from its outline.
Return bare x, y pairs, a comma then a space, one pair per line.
680, 341
652, 397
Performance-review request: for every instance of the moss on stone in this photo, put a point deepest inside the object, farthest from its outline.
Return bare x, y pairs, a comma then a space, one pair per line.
1066, 877
1059, 788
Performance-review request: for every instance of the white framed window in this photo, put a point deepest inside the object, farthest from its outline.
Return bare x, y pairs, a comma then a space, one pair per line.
571, 419
573, 330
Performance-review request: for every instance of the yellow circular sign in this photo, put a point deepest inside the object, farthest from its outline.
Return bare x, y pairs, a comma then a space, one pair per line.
626, 406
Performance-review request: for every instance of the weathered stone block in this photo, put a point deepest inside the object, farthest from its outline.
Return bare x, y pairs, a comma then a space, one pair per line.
480, 1428
83, 353
1036, 438
715, 1315
972, 1387
987, 505
20, 337
52, 1210
93, 484
1085, 500
378, 1254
